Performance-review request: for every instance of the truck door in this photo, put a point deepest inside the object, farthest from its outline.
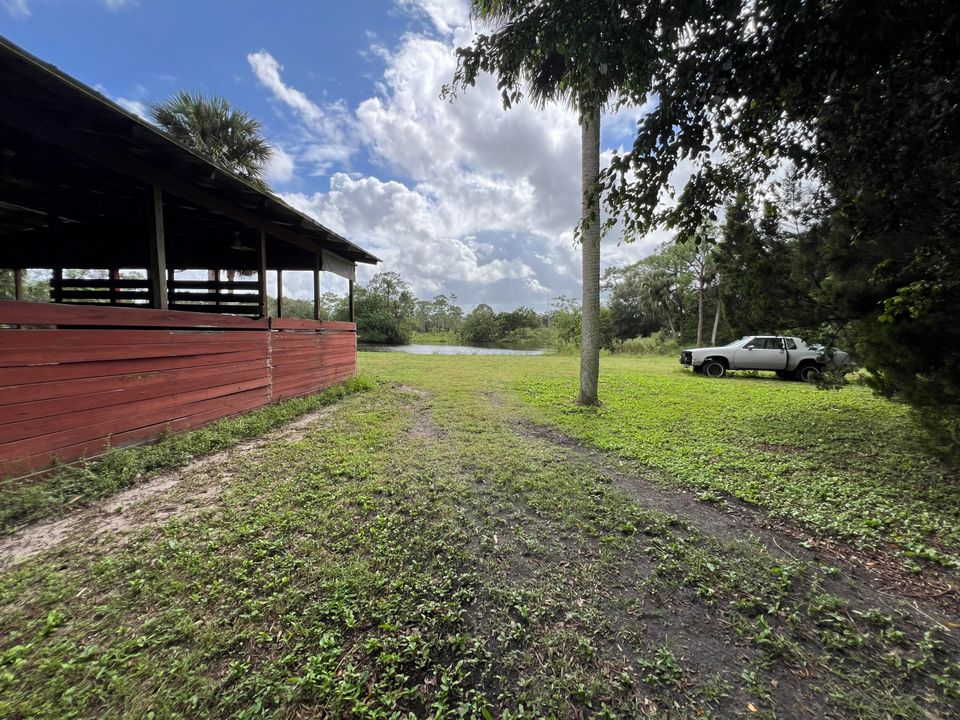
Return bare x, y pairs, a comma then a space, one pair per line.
762, 353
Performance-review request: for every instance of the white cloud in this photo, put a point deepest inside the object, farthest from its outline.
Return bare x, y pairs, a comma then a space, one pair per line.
280, 168
267, 70
118, 4
403, 227
326, 135
16, 8
467, 198
446, 15
137, 107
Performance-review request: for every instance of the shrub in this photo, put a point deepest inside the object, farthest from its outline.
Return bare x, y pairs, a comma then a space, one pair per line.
661, 342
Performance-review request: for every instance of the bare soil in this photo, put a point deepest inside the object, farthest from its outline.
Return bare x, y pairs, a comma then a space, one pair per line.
182, 492
873, 577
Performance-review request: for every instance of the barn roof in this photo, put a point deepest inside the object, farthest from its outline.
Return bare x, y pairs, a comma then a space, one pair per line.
76, 170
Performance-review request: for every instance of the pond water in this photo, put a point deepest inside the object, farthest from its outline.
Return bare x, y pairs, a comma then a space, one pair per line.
447, 350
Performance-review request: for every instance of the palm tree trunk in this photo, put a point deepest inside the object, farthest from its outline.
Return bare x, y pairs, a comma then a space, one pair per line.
590, 250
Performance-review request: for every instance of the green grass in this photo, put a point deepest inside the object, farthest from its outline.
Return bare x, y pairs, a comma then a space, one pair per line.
842, 462
415, 556
80, 483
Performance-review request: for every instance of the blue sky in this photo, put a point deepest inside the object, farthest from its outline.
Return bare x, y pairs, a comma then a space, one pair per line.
458, 198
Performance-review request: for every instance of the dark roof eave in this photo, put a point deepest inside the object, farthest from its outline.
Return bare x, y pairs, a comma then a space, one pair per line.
152, 135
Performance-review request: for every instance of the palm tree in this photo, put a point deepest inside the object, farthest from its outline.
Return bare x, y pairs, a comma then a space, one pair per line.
230, 137
578, 57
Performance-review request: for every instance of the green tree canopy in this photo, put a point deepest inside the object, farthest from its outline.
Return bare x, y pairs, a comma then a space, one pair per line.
861, 98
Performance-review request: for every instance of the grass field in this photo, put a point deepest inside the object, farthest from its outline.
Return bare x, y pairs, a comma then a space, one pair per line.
435, 547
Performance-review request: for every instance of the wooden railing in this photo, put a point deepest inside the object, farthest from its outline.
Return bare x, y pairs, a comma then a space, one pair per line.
113, 291
237, 297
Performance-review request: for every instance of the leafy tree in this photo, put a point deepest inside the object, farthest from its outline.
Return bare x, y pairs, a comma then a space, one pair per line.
552, 52
519, 319
861, 97
36, 289
296, 308
480, 326
384, 310
230, 137
630, 316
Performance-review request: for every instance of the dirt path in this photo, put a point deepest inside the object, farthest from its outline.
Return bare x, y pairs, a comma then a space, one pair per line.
182, 492
872, 578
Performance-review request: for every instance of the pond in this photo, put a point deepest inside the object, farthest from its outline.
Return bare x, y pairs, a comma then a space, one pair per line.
447, 350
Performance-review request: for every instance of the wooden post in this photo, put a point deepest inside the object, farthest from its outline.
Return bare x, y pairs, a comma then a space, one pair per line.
57, 285
279, 293
17, 284
352, 316
158, 251
316, 287
114, 290
262, 274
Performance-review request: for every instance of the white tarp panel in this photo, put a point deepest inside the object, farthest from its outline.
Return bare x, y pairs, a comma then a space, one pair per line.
337, 265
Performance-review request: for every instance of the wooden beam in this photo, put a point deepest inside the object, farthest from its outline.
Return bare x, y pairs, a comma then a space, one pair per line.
279, 293
17, 284
262, 274
352, 317
316, 288
157, 270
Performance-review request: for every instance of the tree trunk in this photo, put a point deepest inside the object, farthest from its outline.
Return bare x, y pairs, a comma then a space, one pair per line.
700, 313
673, 330
716, 321
590, 251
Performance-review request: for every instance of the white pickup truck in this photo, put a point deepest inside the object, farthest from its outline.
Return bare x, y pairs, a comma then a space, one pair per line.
789, 357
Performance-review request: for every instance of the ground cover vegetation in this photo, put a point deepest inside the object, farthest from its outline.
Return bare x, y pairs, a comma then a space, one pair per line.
76, 484
434, 547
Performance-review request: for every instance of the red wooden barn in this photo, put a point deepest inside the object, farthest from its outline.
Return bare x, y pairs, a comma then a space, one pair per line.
151, 344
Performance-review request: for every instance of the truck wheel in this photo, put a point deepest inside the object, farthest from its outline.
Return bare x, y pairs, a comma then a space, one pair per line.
714, 369
808, 373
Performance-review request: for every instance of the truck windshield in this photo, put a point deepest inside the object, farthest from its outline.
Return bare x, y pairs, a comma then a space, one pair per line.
737, 342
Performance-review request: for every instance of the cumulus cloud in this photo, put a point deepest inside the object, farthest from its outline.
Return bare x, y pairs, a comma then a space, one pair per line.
402, 226
280, 168
467, 198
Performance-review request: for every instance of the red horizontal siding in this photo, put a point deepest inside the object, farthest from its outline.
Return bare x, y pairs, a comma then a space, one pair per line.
72, 393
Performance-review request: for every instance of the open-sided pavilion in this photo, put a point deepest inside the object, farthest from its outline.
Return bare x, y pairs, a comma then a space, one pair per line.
159, 339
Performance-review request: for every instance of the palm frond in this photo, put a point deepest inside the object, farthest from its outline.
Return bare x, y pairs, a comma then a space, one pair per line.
230, 137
